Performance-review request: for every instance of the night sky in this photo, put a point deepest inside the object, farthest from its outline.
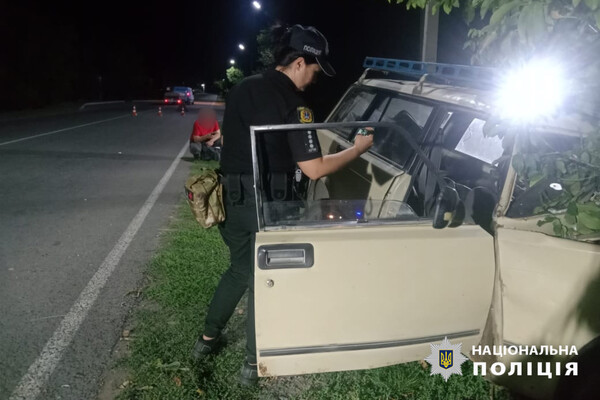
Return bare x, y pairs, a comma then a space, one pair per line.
80, 51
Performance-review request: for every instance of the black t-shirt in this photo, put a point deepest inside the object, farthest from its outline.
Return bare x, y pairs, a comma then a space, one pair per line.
267, 99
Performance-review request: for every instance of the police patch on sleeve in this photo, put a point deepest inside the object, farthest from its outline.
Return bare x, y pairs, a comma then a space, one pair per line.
305, 115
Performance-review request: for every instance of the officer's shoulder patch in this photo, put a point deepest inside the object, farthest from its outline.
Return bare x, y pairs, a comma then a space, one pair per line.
305, 115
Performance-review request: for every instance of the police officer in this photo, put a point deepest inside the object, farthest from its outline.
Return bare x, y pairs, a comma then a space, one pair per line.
266, 99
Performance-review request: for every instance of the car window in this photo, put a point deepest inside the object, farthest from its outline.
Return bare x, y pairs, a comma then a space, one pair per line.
180, 89
410, 115
352, 108
474, 143
349, 196
402, 110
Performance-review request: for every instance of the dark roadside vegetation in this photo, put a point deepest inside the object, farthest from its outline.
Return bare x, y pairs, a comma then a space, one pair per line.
180, 282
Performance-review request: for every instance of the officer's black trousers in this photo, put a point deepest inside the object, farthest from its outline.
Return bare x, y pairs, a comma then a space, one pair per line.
238, 232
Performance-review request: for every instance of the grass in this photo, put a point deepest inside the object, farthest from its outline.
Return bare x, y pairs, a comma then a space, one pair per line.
181, 281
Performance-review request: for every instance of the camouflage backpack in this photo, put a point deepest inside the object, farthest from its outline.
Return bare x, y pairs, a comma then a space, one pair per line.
205, 196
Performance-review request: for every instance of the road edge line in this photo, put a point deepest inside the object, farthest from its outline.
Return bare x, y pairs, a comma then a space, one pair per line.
38, 374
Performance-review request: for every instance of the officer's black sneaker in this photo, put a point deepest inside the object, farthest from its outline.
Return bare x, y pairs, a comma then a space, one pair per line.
248, 374
203, 348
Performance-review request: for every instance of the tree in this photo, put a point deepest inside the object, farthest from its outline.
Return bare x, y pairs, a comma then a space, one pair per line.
265, 46
518, 31
234, 76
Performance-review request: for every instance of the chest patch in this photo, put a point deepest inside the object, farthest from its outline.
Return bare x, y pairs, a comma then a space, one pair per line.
305, 115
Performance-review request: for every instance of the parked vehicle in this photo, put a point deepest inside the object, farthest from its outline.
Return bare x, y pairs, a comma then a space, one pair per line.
179, 95
357, 273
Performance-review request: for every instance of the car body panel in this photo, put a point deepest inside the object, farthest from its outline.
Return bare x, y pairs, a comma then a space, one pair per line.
380, 284
549, 285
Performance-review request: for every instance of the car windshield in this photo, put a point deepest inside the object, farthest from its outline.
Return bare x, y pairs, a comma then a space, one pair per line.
180, 89
368, 104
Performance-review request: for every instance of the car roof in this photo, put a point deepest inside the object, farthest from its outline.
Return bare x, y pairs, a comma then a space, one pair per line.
475, 99
478, 100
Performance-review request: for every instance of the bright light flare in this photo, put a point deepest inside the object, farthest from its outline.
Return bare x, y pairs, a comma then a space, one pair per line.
232, 61
241, 46
534, 90
256, 5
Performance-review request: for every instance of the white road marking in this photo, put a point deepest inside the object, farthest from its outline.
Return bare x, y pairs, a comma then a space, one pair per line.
39, 372
61, 130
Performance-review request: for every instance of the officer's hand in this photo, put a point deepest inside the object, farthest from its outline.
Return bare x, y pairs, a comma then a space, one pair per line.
362, 142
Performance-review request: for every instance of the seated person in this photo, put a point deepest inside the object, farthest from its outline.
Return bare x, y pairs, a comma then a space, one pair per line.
205, 142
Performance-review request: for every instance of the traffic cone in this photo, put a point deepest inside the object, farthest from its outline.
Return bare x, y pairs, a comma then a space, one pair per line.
159, 111
134, 112
182, 111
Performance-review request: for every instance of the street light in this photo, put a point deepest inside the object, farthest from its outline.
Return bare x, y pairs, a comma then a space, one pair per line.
241, 47
203, 87
256, 5
232, 61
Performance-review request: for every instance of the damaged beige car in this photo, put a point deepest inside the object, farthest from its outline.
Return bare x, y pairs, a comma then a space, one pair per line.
431, 234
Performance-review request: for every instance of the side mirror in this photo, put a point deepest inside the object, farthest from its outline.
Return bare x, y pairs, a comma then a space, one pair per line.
449, 210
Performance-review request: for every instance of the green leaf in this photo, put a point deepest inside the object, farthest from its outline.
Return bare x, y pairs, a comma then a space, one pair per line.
522, 23
576, 3
549, 218
535, 178
485, 6
518, 163
557, 227
572, 209
589, 208
499, 14
447, 8
560, 165
589, 220
575, 188
570, 219
536, 26
592, 4
585, 157
582, 229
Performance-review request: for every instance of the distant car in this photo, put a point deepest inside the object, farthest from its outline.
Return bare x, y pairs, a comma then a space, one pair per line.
178, 95
173, 98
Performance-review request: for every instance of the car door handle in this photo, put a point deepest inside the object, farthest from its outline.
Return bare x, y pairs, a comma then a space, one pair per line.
293, 255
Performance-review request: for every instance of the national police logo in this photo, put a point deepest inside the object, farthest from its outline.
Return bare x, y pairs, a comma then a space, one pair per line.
446, 359
305, 115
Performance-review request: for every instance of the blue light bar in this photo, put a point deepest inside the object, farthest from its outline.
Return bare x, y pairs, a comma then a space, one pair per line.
450, 72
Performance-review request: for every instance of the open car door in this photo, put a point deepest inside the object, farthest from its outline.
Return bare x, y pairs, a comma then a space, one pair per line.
335, 290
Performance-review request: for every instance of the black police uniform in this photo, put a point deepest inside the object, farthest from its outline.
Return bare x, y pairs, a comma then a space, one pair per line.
267, 99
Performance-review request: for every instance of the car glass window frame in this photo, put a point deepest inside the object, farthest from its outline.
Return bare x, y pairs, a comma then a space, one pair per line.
260, 187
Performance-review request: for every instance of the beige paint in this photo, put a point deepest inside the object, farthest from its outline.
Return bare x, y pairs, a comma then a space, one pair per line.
370, 284
549, 288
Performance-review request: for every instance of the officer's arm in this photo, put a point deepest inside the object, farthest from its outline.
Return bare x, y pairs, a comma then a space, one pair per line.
321, 166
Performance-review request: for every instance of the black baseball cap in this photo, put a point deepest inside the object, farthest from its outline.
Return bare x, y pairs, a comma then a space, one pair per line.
309, 40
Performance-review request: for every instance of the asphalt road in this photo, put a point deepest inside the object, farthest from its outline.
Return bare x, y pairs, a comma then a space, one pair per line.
83, 200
